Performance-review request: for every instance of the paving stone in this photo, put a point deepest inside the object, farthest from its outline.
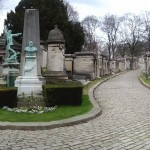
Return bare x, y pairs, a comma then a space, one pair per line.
123, 125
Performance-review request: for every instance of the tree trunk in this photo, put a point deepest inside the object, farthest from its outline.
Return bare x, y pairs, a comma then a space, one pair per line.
113, 55
132, 62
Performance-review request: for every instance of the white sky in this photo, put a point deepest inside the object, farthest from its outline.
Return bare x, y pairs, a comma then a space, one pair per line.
89, 7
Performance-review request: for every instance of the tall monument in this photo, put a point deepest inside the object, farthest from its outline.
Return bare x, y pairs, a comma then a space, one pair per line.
55, 57
30, 79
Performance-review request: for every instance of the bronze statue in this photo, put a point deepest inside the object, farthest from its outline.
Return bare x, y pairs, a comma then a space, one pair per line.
9, 42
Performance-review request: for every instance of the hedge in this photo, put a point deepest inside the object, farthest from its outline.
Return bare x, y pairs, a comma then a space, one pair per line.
8, 97
63, 93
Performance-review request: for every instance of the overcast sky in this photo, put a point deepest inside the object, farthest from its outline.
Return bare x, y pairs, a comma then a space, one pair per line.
90, 7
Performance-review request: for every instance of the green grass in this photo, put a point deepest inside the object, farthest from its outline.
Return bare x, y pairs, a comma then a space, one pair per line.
144, 78
92, 83
62, 112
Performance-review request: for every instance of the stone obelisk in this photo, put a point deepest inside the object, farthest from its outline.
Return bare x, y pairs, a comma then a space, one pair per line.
30, 79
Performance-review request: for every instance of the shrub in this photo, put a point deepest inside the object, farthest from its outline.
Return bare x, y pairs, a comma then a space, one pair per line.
63, 93
43, 70
8, 97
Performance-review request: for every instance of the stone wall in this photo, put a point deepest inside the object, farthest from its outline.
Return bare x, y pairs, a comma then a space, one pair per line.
135, 65
141, 60
44, 56
85, 65
114, 66
148, 66
69, 64
88, 65
1, 71
128, 67
102, 66
121, 66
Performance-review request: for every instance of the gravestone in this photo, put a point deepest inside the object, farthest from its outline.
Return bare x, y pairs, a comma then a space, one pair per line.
84, 65
55, 56
30, 79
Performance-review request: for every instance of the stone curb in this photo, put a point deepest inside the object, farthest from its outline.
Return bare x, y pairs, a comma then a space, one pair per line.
95, 112
142, 82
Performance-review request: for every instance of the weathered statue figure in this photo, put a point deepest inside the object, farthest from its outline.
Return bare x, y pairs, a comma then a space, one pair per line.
30, 59
30, 49
13, 57
9, 42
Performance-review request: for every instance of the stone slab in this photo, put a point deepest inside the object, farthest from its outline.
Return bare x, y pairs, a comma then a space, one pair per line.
28, 84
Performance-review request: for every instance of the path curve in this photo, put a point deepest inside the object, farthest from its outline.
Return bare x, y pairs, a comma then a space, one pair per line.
123, 125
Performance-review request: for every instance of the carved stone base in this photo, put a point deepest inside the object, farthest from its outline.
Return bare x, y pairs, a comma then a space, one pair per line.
3, 83
51, 77
27, 85
10, 67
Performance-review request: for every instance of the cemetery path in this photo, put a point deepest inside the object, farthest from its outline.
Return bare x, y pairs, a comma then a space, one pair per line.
123, 125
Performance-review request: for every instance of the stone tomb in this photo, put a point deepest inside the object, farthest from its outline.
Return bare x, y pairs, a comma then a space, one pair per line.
55, 56
84, 65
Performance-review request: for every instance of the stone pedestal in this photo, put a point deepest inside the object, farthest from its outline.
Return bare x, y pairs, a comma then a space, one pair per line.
27, 85
3, 83
11, 78
10, 67
51, 77
7, 68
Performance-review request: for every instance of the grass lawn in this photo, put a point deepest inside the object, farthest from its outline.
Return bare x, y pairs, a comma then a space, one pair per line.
144, 78
92, 83
61, 112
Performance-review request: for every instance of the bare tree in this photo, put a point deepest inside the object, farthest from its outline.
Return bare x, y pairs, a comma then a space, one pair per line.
146, 20
90, 24
132, 33
109, 26
72, 14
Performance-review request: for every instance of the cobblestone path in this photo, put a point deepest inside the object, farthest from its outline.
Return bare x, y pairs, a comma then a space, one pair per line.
123, 125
